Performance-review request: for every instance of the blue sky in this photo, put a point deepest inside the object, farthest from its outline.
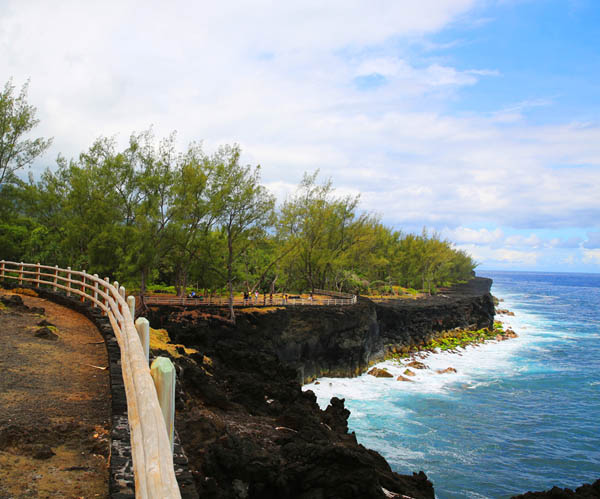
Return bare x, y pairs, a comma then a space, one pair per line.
475, 118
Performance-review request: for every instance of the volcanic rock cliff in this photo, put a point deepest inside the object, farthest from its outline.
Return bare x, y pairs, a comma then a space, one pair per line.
246, 425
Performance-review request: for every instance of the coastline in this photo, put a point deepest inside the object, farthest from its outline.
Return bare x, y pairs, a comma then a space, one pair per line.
454, 425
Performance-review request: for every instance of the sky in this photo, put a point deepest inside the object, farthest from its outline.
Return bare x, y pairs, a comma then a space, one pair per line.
478, 119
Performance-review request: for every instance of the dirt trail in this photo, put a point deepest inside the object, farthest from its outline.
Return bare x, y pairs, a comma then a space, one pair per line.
54, 402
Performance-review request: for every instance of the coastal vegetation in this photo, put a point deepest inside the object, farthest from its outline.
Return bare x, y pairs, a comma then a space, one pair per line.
454, 339
154, 215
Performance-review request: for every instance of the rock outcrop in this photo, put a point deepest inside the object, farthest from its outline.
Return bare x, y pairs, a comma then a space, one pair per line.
251, 432
586, 491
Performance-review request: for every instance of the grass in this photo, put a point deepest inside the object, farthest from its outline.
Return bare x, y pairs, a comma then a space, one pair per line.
399, 293
451, 340
261, 310
24, 291
160, 340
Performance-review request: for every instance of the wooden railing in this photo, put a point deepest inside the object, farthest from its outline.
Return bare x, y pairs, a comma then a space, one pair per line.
251, 302
337, 294
151, 450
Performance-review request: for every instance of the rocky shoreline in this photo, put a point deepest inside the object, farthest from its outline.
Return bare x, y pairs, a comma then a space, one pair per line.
248, 428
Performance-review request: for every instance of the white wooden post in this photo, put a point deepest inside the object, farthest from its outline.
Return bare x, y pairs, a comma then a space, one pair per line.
106, 299
131, 303
54, 288
68, 281
122, 291
143, 328
37, 275
21, 273
116, 285
163, 374
95, 290
2, 269
83, 286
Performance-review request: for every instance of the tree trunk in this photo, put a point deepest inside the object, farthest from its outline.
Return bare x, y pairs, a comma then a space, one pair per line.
143, 282
230, 278
181, 283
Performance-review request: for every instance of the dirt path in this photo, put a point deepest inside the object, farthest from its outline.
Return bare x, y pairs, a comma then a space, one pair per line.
54, 402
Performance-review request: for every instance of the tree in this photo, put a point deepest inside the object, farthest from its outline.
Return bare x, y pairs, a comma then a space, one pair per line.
17, 118
242, 207
323, 228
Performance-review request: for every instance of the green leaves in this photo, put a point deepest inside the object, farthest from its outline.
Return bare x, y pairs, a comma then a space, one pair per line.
17, 118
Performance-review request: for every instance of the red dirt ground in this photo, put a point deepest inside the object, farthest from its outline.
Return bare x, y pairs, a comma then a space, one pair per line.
54, 404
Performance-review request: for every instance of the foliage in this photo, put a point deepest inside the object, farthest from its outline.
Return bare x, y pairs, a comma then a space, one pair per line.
17, 119
151, 214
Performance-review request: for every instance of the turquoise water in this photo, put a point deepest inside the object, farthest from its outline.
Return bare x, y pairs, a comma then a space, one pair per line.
519, 415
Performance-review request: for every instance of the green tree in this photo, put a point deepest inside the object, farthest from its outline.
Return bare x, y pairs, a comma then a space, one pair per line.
242, 207
17, 119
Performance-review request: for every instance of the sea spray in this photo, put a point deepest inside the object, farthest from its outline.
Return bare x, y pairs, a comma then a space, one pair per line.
517, 415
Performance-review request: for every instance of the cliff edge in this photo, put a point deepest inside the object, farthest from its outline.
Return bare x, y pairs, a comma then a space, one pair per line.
247, 427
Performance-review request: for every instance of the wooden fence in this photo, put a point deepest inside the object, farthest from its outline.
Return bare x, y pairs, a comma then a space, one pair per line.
251, 302
151, 450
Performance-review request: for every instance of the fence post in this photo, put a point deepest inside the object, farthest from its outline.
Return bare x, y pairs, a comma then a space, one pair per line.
2, 269
95, 290
143, 328
163, 374
37, 275
131, 303
122, 292
116, 285
54, 288
106, 299
69, 281
21, 273
83, 286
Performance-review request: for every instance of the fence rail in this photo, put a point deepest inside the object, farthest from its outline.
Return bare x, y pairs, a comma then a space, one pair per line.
252, 302
151, 450
337, 294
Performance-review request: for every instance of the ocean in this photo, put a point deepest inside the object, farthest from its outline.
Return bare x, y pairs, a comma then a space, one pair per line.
519, 415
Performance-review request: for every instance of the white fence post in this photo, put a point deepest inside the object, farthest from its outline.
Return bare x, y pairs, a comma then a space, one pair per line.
2, 269
21, 273
131, 303
37, 275
163, 374
95, 290
122, 292
106, 299
69, 281
143, 328
54, 288
83, 290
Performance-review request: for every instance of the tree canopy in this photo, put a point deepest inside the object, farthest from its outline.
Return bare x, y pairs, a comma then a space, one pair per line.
150, 214
17, 119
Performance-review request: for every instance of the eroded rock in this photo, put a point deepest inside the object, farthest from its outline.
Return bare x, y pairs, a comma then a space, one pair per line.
415, 364
448, 370
380, 373
46, 333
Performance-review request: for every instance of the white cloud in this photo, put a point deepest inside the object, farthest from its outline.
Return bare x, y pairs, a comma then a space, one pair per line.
593, 240
279, 79
462, 235
591, 256
501, 256
532, 240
